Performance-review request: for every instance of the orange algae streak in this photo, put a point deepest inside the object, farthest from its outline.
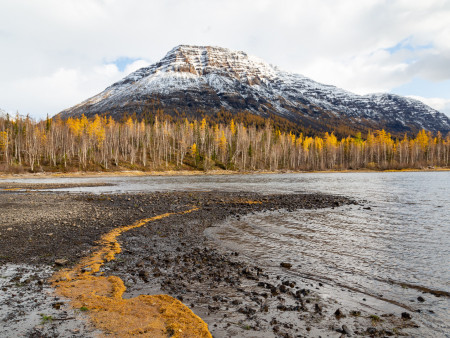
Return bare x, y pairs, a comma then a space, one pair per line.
145, 315
252, 202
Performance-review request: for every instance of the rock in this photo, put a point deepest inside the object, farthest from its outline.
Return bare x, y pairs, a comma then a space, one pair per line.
283, 288
286, 265
246, 310
421, 299
371, 330
61, 262
406, 315
318, 308
281, 307
339, 314
346, 330
213, 308
144, 275
57, 305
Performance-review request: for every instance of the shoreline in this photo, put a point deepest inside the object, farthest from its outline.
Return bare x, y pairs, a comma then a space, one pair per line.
173, 256
137, 173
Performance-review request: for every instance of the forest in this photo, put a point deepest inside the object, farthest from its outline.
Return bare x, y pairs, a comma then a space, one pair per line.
101, 143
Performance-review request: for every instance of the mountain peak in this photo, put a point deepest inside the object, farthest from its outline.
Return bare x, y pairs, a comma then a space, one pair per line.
191, 78
203, 60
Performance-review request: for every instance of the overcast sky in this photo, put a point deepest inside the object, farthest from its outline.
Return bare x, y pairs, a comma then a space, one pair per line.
56, 53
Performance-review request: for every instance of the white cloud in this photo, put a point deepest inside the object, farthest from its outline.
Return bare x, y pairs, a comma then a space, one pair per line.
52, 52
138, 64
63, 88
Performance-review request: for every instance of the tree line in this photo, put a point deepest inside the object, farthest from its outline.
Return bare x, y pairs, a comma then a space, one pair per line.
101, 143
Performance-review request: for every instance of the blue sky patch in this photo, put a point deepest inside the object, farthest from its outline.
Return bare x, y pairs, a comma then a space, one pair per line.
406, 44
424, 88
124, 61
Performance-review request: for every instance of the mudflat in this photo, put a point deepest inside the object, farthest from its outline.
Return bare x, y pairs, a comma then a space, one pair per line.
42, 233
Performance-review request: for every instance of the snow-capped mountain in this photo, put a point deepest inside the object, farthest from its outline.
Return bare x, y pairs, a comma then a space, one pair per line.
3, 114
193, 79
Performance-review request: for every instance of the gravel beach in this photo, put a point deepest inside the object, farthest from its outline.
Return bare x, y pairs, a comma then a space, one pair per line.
42, 232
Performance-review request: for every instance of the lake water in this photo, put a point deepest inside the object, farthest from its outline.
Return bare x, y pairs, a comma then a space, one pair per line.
392, 251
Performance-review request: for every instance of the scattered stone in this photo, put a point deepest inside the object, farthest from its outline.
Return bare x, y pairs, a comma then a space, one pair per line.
346, 330
421, 299
406, 316
339, 314
286, 265
61, 261
144, 275
57, 305
371, 330
318, 308
246, 310
283, 288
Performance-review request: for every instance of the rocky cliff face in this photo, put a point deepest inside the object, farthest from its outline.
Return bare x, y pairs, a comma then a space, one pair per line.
193, 79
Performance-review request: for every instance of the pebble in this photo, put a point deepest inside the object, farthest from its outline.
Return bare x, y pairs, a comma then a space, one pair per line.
286, 265
318, 308
346, 330
371, 330
406, 315
61, 261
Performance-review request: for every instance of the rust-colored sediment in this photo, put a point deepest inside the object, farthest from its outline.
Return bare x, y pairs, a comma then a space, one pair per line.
147, 316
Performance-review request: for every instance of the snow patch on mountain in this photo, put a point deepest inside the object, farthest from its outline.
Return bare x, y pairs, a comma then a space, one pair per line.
211, 78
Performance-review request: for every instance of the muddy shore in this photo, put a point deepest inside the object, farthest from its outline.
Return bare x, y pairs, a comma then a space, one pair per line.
134, 173
41, 232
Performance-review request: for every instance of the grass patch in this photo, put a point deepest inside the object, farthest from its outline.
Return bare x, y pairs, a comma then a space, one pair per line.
45, 319
375, 319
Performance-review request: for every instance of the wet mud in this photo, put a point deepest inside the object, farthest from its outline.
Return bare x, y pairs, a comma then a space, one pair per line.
19, 186
41, 233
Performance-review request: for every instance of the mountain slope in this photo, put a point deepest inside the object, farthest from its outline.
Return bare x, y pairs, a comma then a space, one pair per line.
193, 79
3, 114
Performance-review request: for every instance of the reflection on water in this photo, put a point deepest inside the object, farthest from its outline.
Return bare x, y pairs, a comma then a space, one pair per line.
403, 238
